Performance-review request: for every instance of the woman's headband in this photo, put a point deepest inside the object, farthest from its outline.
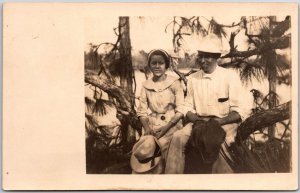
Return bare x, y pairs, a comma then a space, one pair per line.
154, 50
165, 55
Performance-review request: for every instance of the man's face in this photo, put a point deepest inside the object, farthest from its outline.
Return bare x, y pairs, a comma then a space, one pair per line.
207, 64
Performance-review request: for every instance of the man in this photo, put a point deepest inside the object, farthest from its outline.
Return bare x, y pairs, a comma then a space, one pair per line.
212, 97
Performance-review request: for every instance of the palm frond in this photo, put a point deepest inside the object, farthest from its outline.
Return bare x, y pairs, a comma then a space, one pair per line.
198, 27
185, 22
270, 96
90, 124
282, 62
89, 103
100, 107
285, 78
261, 157
268, 60
104, 136
265, 33
216, 28
248, 72
243, 160
283, 71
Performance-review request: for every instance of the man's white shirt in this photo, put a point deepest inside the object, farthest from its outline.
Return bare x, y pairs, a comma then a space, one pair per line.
214, 94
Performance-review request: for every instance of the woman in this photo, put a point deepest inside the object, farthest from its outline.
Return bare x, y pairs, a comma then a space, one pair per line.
161, 101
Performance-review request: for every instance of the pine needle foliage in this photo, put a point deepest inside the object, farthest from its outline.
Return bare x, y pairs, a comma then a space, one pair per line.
271, 156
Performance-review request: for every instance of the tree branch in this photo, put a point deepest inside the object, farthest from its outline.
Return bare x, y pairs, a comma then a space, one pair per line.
280, 43
281, 27
106, 85
119, 94
263, 119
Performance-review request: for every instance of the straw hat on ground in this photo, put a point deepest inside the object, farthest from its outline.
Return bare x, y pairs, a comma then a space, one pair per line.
146, 155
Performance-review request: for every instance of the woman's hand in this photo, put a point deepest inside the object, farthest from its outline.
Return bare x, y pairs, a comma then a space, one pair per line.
145, 122
162, 131
148, 132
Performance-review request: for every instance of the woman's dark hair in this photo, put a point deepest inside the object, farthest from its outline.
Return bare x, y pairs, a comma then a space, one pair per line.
162, 53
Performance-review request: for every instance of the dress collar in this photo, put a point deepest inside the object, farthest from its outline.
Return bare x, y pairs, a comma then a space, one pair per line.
159, 86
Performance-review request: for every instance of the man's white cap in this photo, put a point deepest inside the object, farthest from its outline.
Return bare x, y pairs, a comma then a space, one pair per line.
211, 43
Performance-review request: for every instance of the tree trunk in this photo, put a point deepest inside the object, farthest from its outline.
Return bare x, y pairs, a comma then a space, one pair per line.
126, 70
263, 119
272, 78
126, 78
272, 100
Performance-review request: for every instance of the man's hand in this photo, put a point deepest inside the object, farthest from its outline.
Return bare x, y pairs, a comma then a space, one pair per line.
192, 117
219, 120
232, 117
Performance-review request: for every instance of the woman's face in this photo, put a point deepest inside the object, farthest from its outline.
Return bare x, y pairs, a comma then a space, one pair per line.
157, 65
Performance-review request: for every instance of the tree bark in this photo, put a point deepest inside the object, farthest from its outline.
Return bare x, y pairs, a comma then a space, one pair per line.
263, 119
126, 78
110, 88
281, 27
281, 43
272, 77
126, 70
119, 94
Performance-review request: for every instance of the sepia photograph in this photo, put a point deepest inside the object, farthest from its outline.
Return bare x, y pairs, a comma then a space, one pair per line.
188, 95
150, 96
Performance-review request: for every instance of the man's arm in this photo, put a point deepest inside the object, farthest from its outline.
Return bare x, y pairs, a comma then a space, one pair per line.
192, 117
189, 109
236, 106
232, 117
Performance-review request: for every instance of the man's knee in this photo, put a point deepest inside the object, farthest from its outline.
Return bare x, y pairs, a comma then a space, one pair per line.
180, 137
